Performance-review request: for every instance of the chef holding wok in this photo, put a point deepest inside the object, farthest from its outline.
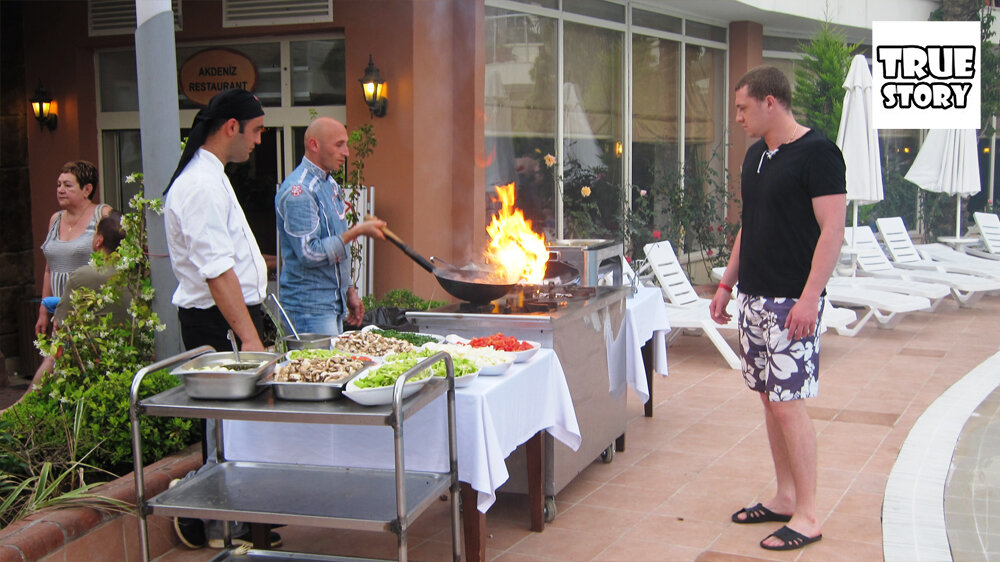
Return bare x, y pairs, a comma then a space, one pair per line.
316, 286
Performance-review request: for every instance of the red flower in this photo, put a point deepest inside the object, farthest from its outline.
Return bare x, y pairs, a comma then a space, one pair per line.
656, 234
720, 228
709, 252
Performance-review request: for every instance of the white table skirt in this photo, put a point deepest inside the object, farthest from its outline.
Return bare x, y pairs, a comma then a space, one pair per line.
645, 318
494, 415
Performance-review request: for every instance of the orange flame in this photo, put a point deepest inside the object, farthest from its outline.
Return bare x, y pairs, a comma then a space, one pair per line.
514, 247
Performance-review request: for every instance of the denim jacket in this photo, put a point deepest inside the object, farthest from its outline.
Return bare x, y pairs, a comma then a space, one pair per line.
316, 265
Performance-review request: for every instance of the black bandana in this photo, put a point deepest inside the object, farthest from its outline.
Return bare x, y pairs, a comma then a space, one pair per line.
230, 104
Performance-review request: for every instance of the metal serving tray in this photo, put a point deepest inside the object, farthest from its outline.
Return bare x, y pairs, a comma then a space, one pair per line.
225, 385
310, 391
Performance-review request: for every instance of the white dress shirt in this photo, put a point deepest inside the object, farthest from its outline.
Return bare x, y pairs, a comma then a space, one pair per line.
208, 234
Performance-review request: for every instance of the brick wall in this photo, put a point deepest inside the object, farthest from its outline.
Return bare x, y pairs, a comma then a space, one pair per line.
16, 252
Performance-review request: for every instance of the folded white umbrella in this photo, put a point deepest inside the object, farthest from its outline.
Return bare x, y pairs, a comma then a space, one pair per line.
857, 140
948, 162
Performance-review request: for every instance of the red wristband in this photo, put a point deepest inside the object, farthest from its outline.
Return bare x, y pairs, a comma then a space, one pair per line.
726, 287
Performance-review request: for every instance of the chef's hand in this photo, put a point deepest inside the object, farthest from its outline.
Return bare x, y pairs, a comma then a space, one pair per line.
371, 227
801, 320
718, 306
355, 308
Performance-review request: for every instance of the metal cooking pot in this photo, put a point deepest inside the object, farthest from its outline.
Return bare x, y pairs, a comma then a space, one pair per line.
452, 281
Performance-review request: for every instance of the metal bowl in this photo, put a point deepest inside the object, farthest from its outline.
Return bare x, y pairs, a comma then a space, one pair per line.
205, 378
308, 341
309, 391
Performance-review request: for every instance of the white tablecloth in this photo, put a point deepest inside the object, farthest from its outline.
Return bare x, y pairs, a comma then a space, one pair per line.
645, 318
494, 415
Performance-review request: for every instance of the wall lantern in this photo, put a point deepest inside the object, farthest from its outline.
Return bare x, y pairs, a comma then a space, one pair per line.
41, 106
374, 89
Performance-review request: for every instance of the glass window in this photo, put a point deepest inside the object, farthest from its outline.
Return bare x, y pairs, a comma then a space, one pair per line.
592, 120
122, 157
705, 31
118, 84
783, 44
552, 4
655, 142
318, 74
597, 9
705, 184
266, 57
520, 113
653, 20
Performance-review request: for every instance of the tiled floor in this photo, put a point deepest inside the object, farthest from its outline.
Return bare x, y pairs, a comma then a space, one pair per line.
704, 454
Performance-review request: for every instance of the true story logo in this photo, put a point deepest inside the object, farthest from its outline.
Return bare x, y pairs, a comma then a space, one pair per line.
926, 75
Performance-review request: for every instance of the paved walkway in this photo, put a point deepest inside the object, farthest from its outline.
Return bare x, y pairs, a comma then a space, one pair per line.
704, 454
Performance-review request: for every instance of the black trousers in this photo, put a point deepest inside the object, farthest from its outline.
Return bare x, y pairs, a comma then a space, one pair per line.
207, 326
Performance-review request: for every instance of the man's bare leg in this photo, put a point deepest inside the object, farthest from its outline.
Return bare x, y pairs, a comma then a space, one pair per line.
794, 425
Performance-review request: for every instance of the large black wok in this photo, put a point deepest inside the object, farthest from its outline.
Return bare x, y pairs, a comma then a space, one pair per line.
459, 283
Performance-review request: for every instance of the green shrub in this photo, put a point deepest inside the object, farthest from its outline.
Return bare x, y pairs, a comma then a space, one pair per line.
83, 405
400, 298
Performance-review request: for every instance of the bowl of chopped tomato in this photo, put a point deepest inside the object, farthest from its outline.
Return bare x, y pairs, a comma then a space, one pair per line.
522, 349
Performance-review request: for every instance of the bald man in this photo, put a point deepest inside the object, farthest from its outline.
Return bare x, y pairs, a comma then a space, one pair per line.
316, 286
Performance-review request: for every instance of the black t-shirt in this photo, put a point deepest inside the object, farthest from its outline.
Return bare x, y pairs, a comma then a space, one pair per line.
780, 231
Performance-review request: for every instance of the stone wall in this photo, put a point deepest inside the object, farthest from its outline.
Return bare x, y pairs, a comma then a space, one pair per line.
16, 254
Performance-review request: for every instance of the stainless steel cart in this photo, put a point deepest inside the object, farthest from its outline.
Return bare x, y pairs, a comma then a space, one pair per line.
362, 499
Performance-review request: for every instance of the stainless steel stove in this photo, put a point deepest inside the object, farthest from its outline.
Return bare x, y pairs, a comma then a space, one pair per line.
576, 322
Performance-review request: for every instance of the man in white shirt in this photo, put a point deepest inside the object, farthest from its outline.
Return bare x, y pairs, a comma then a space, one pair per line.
221, 274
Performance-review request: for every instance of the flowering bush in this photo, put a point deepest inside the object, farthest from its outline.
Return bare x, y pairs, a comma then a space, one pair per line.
688, 210
87, 394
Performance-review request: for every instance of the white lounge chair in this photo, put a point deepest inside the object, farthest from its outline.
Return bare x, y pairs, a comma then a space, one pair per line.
966, 289
931, 257
685, 309
886, 307
935, 293
988, 225
837, 318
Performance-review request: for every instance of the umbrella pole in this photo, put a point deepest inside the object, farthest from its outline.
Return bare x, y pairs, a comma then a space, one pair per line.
855, 223
958, 216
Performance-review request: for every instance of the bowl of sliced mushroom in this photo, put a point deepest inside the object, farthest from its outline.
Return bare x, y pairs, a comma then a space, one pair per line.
370, 344
315, 378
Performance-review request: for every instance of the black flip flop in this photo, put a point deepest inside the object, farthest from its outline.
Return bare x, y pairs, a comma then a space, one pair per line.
760, 514
791, 539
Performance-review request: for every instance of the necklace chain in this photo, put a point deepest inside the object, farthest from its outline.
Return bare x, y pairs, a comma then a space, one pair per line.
792, 136
76, 223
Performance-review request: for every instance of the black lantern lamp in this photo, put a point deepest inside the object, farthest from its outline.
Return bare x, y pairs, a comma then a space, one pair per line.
41, 106
374, 89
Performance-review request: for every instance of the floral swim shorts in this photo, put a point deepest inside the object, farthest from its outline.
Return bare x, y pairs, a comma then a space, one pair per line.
783, 369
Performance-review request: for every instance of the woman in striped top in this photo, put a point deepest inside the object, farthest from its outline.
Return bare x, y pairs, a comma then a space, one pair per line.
71, 231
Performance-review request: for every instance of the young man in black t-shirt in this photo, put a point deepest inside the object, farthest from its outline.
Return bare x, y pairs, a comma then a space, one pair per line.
794, 203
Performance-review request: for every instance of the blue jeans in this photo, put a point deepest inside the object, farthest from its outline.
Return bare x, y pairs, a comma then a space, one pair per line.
329, 324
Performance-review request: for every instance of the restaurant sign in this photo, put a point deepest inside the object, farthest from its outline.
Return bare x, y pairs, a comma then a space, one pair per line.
211, 71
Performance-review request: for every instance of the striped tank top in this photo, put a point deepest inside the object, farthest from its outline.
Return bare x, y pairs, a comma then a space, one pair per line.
65, 256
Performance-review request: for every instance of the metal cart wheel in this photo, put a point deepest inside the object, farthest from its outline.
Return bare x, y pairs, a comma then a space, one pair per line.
550, 508
608, 455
